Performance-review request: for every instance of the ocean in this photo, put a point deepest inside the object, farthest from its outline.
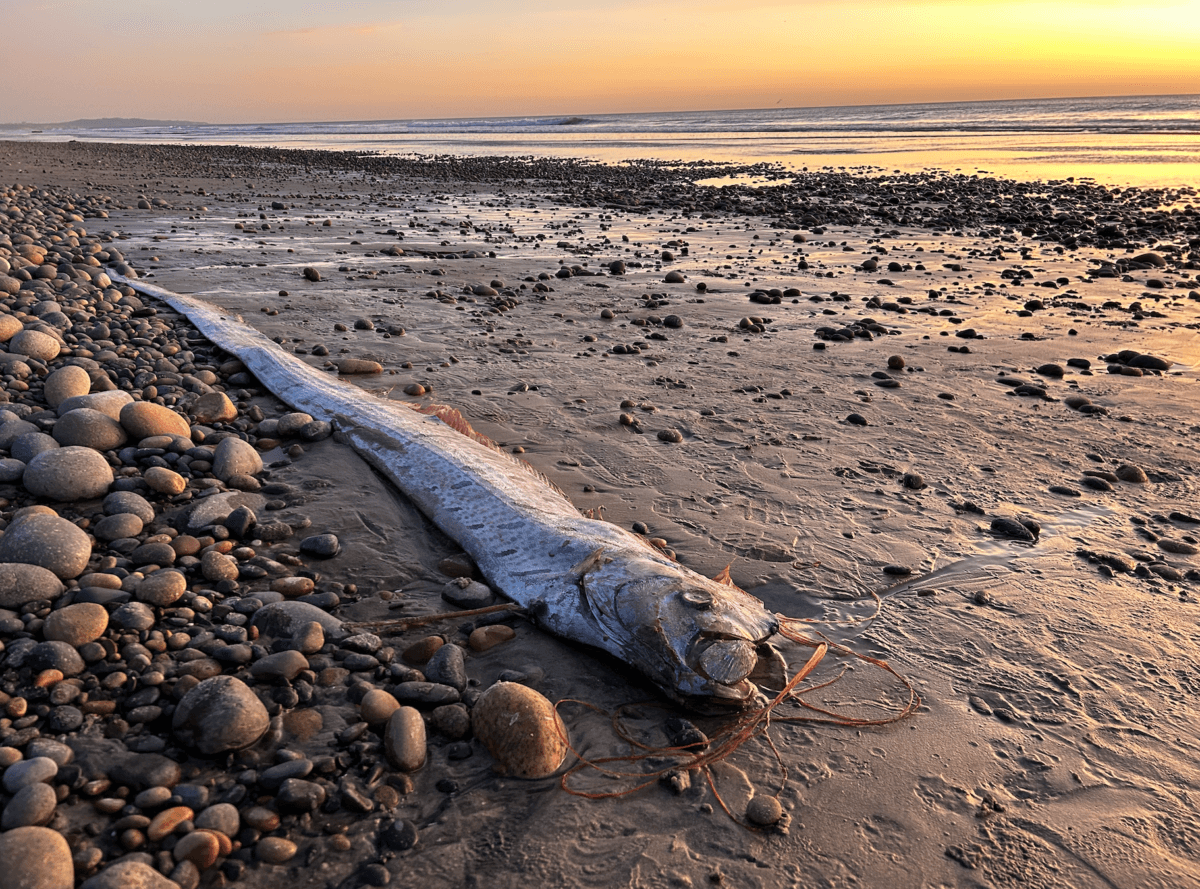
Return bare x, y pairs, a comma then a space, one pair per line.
1148, 141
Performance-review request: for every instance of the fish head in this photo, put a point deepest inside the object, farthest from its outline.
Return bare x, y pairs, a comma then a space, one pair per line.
697, 638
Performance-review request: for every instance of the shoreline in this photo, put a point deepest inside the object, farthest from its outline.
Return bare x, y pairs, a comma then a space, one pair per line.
1042, 659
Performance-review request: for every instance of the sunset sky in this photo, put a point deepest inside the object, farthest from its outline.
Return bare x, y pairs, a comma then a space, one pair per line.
231, 61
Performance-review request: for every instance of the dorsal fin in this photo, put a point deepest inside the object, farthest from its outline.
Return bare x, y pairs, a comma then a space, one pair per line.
456, 421
724, 578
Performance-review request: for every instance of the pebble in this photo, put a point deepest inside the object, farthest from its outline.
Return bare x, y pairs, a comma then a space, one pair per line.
128, 874
404, 739
35, 344
201, 847
213, 407
483, 638
116, 527
167, 822
235, 457
66, 382
87, 428
275, 850
1006, 527
143, 419
219, 715
764, 811
48, 541
164, 481
285, 665
355, 366
377, 706
68, 473
21, 583
76, 624
448, 666
323, 546
520, 729
162, 588
36, 858
1128, 472
220, 817
36, 770
127, 501
420, 652
30, 806
467, 593
282, 620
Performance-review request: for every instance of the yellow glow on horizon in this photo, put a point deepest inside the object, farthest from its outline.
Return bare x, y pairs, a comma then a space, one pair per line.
426, 59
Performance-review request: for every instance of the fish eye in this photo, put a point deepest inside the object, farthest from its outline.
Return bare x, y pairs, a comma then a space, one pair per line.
701, 600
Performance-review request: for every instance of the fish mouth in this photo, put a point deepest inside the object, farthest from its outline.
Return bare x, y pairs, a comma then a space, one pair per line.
725, 660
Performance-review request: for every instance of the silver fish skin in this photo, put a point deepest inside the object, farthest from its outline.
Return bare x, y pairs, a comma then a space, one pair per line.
583, 579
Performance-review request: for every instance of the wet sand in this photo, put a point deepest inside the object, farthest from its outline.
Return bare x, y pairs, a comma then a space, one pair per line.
1054, 746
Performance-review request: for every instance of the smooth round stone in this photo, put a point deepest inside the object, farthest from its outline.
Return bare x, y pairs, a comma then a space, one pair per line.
9, 326
109, 402
162, 588
70, 473
377, 706
127, 501
448, 666
33, 805
521, 729
235, 457
166, 821
323, 546
64, 383
11, 470
309, 638
26, 447
153, 554
483, 638
275, 850
281, 665
36, 770
11, 429
21, 583
293, 586
296, 794
404, 739
89, 428
36, 858
221, 817
291, 424
133, 616
218, 715
35, 344
76, 624
48, 541
215, 407
129, 874
115, 527
165, 481
201, 847
283, 620
764, 811
1128, 472
217, 566
55, 656
467, 593
143, 419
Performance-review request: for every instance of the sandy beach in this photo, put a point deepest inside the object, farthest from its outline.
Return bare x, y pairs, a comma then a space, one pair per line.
974, 398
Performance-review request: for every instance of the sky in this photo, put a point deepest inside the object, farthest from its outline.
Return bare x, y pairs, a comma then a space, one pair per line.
245, 61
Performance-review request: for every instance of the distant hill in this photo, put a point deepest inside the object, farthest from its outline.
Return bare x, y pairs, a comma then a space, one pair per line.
117, 123
103, 123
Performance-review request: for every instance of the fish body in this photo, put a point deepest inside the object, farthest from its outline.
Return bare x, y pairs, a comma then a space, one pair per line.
581, 578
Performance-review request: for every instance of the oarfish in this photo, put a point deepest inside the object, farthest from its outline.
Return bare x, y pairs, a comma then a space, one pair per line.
583, 579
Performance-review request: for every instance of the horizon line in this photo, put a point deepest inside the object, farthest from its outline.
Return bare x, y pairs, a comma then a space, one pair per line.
166, 121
